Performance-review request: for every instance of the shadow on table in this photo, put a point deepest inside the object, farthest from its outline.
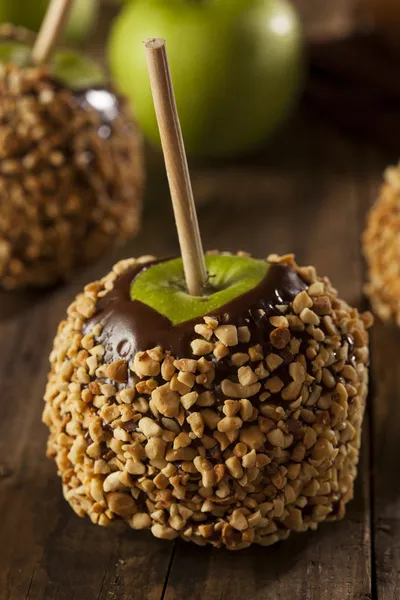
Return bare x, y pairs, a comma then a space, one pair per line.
385, 409
13, 303
265, 563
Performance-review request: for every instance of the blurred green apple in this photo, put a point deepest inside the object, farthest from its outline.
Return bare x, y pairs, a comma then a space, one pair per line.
236, 67
30, 13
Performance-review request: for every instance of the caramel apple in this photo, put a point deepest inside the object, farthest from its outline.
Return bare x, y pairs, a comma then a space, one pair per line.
71, 168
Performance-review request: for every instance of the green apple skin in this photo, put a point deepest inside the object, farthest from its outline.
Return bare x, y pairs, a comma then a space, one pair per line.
30, 13
162, 286
72, 69
236, 67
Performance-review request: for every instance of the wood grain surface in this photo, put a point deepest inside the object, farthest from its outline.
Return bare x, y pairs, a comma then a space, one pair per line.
386, 461
308, 193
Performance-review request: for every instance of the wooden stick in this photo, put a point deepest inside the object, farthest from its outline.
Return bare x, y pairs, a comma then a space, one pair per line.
50, 30
177, 168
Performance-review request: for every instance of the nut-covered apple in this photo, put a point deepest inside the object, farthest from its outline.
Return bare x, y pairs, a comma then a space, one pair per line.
70, 165
241, 61
235, 424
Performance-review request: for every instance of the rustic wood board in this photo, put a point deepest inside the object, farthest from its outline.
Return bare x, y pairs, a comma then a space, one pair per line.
307, 194
386, 461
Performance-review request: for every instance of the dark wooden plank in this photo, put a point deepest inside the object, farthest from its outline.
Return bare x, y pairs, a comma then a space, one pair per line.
384, 412
307, 199
385, 426
386, 459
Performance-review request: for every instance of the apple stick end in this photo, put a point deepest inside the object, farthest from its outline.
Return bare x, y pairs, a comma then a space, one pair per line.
50, 30
176, 166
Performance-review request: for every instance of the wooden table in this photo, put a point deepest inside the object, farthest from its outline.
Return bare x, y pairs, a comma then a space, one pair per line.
307, 193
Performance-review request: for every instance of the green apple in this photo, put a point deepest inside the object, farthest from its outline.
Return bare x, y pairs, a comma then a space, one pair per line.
162, 286
30, 13
236, 67
72, 69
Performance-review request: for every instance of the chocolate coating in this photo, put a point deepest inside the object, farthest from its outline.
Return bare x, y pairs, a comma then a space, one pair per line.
131, 326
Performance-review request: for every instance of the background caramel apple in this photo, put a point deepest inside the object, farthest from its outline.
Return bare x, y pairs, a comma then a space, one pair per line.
71, 169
